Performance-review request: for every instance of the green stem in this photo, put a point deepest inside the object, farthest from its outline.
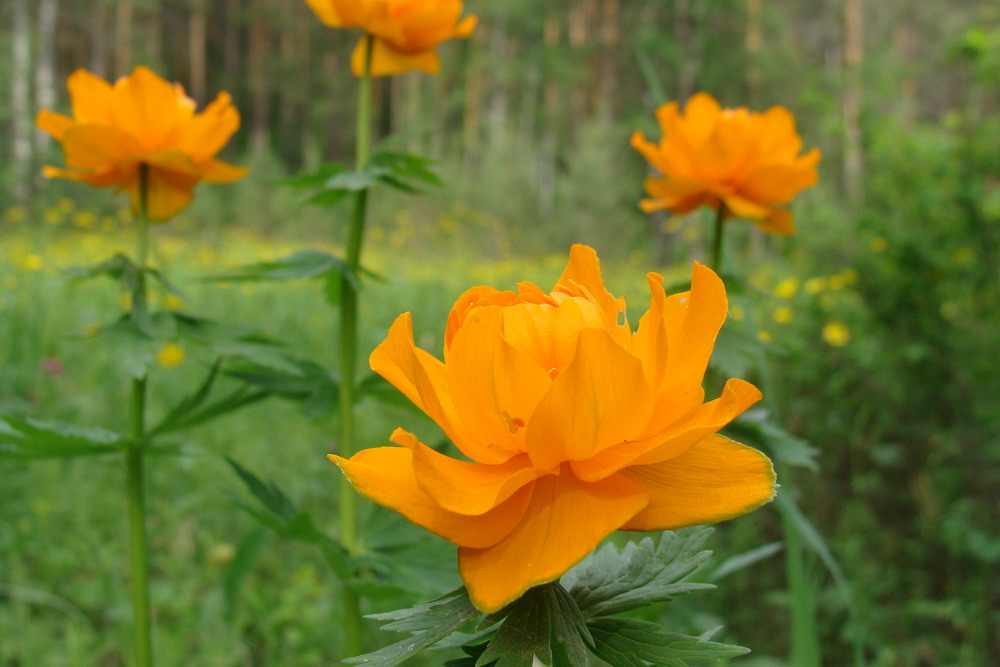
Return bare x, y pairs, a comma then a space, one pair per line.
720, 219
134, 463
349, 351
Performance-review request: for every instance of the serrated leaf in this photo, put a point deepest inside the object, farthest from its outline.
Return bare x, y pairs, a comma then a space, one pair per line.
609, 582
569, 628
117, 267
27, 438
134, 349
351, 181
524, 634
630, 642
432, 621
311, 384
316, 178
238, 568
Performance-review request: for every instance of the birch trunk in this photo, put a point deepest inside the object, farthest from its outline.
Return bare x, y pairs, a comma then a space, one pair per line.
851, 97
20, 100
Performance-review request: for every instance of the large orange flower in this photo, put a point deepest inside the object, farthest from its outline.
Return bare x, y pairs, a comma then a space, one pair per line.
406, 32
747, 161
142, 120
573, 426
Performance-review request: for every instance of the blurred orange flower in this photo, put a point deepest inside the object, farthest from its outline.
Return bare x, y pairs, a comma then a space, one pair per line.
142, 120
573, 426
405, 32
747, 161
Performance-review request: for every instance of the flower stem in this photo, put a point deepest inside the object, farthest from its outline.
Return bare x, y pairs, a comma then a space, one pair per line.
720, 219
349, 351
134, 458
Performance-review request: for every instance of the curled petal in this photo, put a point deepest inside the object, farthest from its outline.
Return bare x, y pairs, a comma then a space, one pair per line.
91, 97
92, 147
675, 439
715, 480
600, 400
55, 124
385, 475
388, 60
582, 277
423, 380
494, 386
465, 487
564, 521
148, 108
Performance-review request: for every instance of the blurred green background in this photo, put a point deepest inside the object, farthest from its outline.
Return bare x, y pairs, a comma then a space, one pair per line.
879, 319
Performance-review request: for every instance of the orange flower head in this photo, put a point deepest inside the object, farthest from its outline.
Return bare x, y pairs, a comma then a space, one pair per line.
405, 32
571, 425
747, 161
142, 120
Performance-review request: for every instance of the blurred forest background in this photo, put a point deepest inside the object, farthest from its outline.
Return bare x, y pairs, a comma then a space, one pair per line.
881, 315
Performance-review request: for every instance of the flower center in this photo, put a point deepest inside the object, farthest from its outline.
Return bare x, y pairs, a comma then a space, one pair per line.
513, 423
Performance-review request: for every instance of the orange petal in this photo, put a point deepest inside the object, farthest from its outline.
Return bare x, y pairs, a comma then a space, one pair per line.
650, 342
327, 13
92, 147
206, 133
423, 380
701, 113
113, 175
676, 438
90, 96
715, 480
778, 184
55, 124
582, 277
464, 487
495, 387
148, 107
385, 475
600, 400
217, 171
167, 193
466, 26
778, 221
649, 151
387, 61
563, 523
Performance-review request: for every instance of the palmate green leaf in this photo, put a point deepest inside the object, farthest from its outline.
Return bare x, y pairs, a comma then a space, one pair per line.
404, 171
630, 642
609, 582
524, 634
317, 178
296, 266
118, 267
314, 386
745, 560
431, 621
26, 438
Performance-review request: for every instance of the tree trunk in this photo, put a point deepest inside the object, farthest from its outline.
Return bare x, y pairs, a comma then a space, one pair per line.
20, 100
260, 90
45, 76
851, 98
98, 39
196, 52
752, 43
124, 11
611, 43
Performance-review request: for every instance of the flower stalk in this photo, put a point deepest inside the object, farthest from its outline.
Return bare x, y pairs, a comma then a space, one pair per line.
720, 220
134, 457
349, 349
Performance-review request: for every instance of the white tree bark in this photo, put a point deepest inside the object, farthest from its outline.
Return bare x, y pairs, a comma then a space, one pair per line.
20, 99
45, 65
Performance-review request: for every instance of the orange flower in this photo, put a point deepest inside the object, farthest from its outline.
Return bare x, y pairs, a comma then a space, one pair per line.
142, 120
573, 426
406, 32
747, 161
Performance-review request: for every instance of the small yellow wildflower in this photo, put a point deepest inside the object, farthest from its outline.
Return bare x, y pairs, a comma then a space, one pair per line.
764, 336
65, 204
171, 355
949, 309
32, 262
787, 288
836, 333
221, 553
837, 282
691, 234
172, 302
125, 300
782, 315
108, 224
672, 224
850, 276
815, 285
738, 313
84, 219
90, 329
879, 244
53, 216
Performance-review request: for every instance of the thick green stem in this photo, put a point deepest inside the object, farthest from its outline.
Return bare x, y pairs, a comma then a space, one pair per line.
349, 351
134, 460
720, 219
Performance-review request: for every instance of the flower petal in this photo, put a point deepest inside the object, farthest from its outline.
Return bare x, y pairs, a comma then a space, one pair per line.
582, 277
423, 380
217, 171
495, 387
564, 521
600, 400
168, 191
148, 107
464, 487
92, 147
715, 480
386, 60
676, 438
55, 124
385, 475
91, 98
204, 135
